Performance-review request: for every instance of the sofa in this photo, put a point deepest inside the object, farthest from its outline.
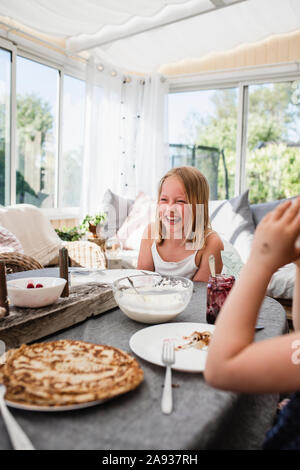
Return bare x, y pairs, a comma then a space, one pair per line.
234, 219
282, 283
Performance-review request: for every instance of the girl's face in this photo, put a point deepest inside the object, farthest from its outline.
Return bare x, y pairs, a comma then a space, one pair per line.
172, 206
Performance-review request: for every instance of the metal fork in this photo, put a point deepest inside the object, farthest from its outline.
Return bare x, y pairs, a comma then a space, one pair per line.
168, 359
17, 436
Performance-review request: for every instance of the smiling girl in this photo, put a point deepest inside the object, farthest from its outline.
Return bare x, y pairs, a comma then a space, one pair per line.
181, 240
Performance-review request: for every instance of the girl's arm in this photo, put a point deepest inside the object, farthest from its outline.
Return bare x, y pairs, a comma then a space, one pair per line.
145, 260
214, 247
234, 361
296, 299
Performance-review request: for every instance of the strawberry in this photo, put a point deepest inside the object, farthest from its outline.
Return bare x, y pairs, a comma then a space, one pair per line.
39, 285
30, 285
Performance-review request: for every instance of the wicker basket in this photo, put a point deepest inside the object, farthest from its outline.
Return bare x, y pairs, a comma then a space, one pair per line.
16, 262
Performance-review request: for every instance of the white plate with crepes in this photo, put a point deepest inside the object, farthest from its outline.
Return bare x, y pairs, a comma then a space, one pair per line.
190, 354
27, 407
66, 375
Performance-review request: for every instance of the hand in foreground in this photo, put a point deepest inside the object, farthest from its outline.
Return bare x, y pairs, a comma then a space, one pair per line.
275, 237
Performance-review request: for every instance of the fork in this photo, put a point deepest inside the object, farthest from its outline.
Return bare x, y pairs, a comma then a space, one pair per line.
168, 359
18, 437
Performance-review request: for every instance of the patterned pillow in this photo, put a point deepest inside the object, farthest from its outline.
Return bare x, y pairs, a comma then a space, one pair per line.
8, 242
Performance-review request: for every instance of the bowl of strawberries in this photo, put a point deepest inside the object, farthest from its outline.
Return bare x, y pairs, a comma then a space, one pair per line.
35, 292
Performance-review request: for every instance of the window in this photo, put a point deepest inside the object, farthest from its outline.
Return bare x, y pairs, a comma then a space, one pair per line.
72, 141
5, 100
273, 141
202, 133
37, 125
44, 167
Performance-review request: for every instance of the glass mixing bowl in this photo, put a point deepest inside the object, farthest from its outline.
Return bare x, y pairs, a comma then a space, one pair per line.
152, 298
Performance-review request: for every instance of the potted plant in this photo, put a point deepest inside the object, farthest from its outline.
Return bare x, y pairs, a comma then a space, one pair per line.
70, 234
90, 223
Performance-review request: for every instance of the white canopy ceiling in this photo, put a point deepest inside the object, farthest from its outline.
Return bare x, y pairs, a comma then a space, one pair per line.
142, 35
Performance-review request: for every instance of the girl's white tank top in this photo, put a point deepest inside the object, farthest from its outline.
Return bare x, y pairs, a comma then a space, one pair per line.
186, 267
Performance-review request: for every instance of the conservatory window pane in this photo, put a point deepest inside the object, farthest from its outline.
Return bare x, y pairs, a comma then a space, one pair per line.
202, 133
72, 141
37, 118
5, 98
273, 142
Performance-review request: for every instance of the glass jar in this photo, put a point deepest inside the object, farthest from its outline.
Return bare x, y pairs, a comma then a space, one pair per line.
113, 245
218, 288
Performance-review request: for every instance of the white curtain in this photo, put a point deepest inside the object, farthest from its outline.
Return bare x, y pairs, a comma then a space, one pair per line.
152, 142
125, 148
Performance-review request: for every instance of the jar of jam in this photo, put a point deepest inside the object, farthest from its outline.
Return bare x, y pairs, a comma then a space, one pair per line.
218, 288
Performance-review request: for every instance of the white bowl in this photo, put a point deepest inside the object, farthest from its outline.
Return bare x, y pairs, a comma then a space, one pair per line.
20, 296
159, 298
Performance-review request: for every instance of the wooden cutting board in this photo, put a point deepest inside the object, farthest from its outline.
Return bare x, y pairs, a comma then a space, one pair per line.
25, 325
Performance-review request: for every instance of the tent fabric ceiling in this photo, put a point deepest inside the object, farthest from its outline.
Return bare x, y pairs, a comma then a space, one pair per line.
66, 18
143, 35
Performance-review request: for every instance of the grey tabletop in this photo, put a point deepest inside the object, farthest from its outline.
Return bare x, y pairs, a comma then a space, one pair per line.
203, 418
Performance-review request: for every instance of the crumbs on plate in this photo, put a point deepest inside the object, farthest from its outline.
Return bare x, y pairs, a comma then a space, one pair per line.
197, 339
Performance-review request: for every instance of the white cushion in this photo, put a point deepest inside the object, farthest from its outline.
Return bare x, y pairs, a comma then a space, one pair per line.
34, 231
282, 283
141, 214
232, 220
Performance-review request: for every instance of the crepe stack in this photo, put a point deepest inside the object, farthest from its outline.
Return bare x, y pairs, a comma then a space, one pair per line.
67, 372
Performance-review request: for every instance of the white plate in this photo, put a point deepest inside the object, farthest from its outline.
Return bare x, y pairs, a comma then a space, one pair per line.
24, 406
21, 406
104, 276
147, 344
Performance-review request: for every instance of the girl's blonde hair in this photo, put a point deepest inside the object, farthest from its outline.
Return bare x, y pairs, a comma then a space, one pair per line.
197, 193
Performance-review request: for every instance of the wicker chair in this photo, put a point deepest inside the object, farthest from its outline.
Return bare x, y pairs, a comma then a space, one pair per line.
17, 262
82, 253
86, 254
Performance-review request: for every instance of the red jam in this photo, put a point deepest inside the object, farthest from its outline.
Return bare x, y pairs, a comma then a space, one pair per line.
218, 288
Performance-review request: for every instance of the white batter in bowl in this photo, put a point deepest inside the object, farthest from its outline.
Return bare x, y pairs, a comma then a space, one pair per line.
152, 298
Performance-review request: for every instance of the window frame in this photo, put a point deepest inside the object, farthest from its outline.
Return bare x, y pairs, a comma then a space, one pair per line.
240, 78
57, 212
8, 46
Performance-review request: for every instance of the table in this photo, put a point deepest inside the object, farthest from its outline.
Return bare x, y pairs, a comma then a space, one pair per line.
203, 418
